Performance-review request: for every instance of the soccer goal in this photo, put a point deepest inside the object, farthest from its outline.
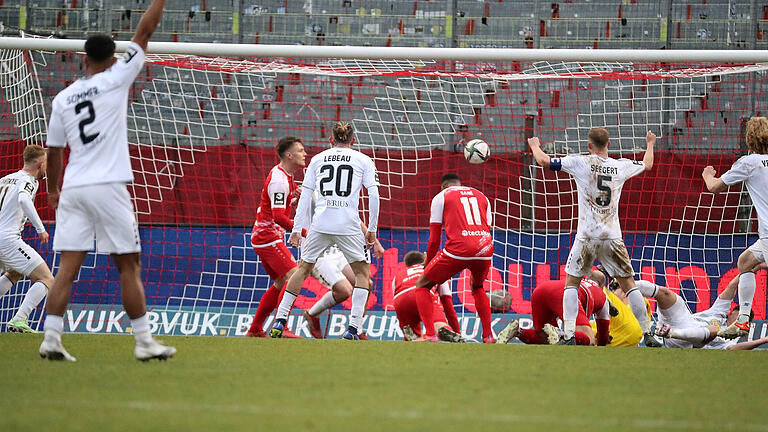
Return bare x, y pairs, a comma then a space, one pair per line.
204, 120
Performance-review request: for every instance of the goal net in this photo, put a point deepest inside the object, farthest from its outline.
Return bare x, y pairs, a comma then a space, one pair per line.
202, 132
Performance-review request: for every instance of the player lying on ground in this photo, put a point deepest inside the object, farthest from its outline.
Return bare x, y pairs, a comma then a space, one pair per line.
625, 331
682, 329
90, 116
599, 180
547, 307
17, 204
406, 305
273, 219
338, 174
752, 170
466, 214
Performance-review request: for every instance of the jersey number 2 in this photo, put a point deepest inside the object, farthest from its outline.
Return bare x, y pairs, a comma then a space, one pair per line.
328, 173
471, 210
86, 139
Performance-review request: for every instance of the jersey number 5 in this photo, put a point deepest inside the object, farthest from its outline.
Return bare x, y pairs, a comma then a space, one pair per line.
604, 199
86, 139
328, 173
471, 210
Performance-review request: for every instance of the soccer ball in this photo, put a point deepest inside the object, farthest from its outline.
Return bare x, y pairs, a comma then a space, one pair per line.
476, 151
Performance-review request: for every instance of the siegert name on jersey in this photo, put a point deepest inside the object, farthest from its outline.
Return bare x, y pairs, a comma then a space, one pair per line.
77, 97
337, 158
604, 169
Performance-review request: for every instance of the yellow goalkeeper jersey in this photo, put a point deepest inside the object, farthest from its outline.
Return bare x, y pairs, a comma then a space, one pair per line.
624, 330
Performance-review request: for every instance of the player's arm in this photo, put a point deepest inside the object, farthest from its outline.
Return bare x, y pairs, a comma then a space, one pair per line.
378, 249
278, 191
57, 140
371, 183
749, 345
714, 184
28, 207
541, 158
435, 226
603, 321
148, 23
650, 141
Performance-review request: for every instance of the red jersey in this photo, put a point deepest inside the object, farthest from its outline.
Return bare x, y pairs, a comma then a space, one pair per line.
406, 279
591, 296
465, 214
273, 216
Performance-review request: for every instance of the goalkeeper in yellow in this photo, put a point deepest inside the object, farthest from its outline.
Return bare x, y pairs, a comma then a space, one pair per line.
625, 330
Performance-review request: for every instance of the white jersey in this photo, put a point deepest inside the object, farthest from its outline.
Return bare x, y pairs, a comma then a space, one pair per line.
753, 171
12, 217
91, 116
337, 174
599, 181
715, 315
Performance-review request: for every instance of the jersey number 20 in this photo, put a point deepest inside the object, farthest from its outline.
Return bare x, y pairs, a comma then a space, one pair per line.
86, 139
340, 173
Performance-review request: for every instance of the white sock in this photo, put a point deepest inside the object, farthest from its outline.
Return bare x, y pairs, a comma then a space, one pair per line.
326, 302
54, 326
285, 306
637, 304
35, 295
359, 299
570, 310
647, 289
5, 285
746, 294
141, 329
695, 334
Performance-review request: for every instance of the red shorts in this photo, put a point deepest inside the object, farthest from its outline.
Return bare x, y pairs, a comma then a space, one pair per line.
442, 267
276, 259
408, 312
547, 307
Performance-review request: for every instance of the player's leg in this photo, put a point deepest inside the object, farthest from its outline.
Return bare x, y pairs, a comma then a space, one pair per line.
340, 281
58, 297
748, 260
407, 313
439, 270
580, 260
353, 249
42, 279
268, 303
443, 330
8, 280
479, 270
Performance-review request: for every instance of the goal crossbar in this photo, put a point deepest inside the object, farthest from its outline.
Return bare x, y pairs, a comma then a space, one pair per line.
408, 53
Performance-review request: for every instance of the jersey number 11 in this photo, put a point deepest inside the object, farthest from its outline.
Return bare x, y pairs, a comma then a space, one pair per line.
471, 210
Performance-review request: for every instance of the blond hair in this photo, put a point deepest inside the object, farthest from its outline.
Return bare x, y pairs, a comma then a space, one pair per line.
32, 153
599, 137
343, 133
757, 135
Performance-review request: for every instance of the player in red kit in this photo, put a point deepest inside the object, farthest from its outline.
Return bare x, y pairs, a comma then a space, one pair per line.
547, 307
406, 307
273, 218
466, 215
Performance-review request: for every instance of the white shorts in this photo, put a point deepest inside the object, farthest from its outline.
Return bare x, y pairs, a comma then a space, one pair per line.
329, 268
612, 254
760, 249
18, 256
352, 246
101, 210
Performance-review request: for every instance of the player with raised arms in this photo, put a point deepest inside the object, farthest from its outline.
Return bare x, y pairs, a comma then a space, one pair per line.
273, 219
599, 180
17, 204
752, 170
466, 215
337, 174
90, 116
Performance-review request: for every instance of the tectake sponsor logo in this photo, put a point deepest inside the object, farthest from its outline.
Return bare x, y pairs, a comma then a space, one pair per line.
470, 233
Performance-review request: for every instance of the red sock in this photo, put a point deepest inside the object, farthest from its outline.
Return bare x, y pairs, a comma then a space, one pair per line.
450, 312
424, 304
267, 304
483, 306
530, 336
581, 338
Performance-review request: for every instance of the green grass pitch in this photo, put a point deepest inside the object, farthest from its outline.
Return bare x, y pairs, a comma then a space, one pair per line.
234, 384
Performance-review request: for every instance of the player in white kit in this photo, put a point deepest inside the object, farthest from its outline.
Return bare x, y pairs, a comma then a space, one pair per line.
752, 170
338, 174
599, 180
17, 204
682, 329
91, 117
